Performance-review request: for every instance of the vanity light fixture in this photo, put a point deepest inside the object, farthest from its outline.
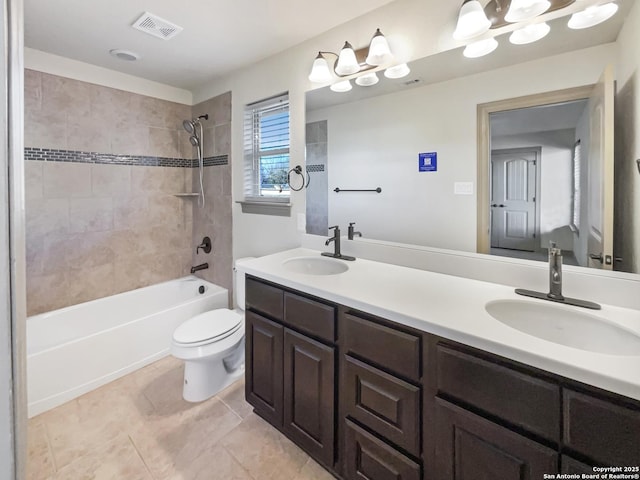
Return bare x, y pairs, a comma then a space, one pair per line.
592, 16
398, 71
480, 48
351, 62
340, 87
523, 10
472, 21
367, 79
530, 33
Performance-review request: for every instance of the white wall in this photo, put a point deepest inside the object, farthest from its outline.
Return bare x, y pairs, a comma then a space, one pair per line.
368, 136
627, 177
556, 181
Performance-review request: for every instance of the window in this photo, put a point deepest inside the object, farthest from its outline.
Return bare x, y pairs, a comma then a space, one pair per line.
577, 197
266, 146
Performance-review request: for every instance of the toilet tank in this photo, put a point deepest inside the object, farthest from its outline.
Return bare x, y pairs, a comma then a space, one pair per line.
238, 281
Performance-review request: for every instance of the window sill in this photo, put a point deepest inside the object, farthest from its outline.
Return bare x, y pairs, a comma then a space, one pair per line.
280, 209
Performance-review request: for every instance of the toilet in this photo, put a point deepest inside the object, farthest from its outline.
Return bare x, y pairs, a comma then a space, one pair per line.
212, 346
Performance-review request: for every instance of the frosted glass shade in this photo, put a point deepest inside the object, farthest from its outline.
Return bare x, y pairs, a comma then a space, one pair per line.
522, 10
481, 48
592, 16
340, 87
367, 79
472, 21
530, 34
379, 51
320, 72
347, 62
398, 71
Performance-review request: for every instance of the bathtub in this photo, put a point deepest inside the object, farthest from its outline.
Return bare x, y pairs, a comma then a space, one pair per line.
76, 349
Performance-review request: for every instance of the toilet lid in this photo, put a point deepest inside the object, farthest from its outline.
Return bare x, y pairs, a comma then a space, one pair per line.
207, 326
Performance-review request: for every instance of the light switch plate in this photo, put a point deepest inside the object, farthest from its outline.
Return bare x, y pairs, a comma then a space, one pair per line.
463, 188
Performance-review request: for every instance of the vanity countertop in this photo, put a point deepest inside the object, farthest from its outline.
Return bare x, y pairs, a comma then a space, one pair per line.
454, 308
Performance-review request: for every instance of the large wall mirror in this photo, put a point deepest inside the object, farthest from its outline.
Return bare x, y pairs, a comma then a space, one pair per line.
541, 155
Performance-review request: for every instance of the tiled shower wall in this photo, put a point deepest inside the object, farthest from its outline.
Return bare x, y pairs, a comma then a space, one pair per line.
214, 220
317, 168
100, 218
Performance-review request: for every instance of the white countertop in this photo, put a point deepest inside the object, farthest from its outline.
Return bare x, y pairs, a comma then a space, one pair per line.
454, 308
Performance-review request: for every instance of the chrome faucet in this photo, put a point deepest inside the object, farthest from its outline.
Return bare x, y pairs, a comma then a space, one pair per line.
351, 233
555, 283
555, 272
336, 245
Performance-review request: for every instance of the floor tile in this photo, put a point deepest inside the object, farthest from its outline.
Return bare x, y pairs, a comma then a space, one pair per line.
117, 459
233, 397
263, 451
40, 465
313, 471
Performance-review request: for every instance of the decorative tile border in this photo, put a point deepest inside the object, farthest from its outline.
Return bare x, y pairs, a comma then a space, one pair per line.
315, 168
76, 156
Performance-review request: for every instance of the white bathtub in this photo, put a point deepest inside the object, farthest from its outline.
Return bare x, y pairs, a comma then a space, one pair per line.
76, 349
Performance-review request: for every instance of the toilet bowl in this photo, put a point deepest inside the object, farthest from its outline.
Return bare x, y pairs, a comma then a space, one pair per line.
212, 346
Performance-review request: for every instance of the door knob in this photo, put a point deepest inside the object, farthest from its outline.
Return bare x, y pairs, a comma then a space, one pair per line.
598, 258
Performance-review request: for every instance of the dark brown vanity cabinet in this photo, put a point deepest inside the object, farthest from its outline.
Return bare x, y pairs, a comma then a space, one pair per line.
373, 400
290, 366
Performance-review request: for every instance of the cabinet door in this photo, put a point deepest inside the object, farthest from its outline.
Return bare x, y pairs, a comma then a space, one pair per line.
309, 379
569, 465
469, 447
263, 377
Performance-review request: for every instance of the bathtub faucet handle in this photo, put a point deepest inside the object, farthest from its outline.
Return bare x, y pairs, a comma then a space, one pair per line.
205, 246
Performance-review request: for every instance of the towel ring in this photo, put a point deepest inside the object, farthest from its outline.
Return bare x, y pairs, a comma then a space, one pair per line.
298, 169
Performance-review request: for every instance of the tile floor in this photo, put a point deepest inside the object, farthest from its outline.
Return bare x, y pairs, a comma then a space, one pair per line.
140, 428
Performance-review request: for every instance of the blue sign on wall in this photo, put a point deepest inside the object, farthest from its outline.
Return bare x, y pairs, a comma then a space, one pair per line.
428, 162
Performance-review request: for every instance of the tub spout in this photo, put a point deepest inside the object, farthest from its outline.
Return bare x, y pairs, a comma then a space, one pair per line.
202, 266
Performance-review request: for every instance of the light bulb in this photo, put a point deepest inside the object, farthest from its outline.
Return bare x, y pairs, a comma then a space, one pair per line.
340, 87
472, 21
592, 16
530, 34
379, 51
347, 62
481, 48
367, 80
398, 71
522, 10
320, 72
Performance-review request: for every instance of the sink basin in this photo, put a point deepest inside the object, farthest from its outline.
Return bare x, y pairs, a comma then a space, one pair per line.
315, 265
565, 326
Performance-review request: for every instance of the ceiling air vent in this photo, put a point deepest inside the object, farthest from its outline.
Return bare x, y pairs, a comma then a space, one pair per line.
156, 26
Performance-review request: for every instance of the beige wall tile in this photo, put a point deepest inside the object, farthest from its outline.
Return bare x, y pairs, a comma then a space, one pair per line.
209, 135
33, 170
88, 135
90, 283
222, 139
89, 249
55, 257
63, 180
47, 292
113, 107
163, 142
93, 214
61, 94
130, 140
222, 109
131, 211
45, 129
112, 180
46, 216
32, 91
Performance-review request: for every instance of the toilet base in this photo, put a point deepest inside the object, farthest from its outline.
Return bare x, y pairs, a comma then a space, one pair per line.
202, 380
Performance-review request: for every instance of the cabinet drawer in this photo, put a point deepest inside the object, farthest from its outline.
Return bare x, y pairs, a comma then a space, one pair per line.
264, 298
601, 430
569, 465
368, 458
384, 403
522, 400
469, 446
387, 347
309, 316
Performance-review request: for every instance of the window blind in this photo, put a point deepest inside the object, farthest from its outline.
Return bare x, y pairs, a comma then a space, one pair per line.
266, 149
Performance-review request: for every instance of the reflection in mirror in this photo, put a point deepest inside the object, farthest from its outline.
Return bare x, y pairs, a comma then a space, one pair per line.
373, 137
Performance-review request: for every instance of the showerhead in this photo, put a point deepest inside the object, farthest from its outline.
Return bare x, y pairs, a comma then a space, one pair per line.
195, 141
189, 126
